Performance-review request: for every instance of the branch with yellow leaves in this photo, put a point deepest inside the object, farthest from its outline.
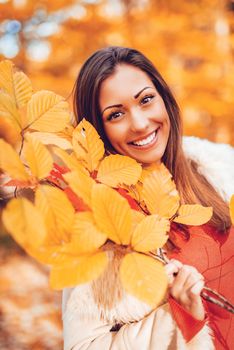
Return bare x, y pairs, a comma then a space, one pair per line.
119, 211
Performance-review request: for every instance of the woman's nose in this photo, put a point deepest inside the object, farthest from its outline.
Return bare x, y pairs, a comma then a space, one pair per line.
139, 121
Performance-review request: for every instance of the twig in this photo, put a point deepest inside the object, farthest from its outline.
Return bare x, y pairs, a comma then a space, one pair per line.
207, 293
217, 299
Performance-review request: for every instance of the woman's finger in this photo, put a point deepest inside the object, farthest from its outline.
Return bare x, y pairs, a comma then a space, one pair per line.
172, 270
192, 279
197, 287
178, 285
177, 263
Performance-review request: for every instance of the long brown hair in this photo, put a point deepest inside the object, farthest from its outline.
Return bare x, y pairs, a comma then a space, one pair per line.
192, 186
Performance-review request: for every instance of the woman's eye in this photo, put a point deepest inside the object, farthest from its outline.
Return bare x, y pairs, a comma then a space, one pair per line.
146, 99
114, 115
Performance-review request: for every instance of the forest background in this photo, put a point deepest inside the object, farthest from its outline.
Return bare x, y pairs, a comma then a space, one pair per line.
191, 44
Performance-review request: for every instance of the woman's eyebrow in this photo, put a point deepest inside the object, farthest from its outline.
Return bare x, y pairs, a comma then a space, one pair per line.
138, 94
119, 105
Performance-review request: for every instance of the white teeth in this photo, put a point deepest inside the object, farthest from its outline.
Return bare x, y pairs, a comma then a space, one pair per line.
145, 141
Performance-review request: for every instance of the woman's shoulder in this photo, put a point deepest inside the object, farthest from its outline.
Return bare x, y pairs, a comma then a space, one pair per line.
215, 161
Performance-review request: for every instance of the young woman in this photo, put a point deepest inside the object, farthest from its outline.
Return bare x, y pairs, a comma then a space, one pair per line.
122, 94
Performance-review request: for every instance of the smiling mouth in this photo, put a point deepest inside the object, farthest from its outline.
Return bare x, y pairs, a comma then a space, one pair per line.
146, 141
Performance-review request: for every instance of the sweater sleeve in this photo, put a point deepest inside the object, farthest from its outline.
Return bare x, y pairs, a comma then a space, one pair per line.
189, 326
89, 331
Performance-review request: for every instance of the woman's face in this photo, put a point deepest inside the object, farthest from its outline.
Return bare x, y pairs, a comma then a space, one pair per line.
134, 115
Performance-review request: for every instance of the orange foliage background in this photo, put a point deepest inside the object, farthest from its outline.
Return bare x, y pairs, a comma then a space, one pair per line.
192, 45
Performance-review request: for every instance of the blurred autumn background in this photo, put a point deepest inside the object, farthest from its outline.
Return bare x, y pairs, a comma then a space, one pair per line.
192, 45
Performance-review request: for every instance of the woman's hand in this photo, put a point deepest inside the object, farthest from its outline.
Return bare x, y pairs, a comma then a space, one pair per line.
186, 284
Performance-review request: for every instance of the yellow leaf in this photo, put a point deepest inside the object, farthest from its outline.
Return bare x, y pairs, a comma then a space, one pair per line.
147, 170
10, 162
9, 111
86, 238
48, 138
78, 271
57, 211
67, 132
38, 158
159, 193
17, 85
47, 112
87, 145
54, 254
144, 278
9, 132
112, 214
150, 233
232, 209
23, 88
193, 214
24, 222
137, 217
68, 159
6, 74
48, 254
116, 169
81, 184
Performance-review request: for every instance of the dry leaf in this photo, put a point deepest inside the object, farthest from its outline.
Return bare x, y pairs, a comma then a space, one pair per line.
24, 222
38, 158
68, 159
9, 132
6, 73
144, 278
193, 214
48, 138
9, 111
10, 162
160, 194
116, 169
87, 145
81, 184
47, 112
78, 270
57, 211
150, 233
17, 84
112, 214
137, 217
23, 89
47, 254
85, 237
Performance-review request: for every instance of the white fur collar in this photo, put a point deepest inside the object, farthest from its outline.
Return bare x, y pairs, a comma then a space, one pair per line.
215, 161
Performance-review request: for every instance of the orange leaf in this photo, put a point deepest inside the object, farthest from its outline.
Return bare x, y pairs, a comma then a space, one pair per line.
144, 278
159, 193
87, 145
196, 214
78, 270
150, 233
18, 183
10, 162
24, 222
112, 214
